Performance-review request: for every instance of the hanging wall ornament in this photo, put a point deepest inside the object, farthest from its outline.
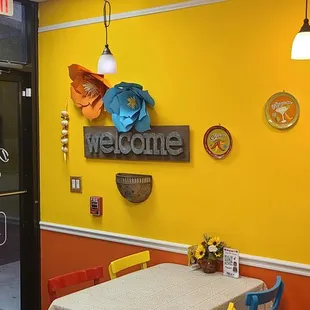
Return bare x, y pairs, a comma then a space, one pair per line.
127, 103
135, 188
87, 89
64, 131
217, 142
282, 110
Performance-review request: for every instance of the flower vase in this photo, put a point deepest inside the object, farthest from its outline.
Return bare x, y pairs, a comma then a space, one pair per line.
208, 265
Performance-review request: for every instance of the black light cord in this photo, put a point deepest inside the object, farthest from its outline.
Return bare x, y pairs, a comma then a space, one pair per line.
107, 18
306, 9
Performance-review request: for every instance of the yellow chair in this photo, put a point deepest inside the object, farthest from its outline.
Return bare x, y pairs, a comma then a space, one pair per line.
125, 262
231, 306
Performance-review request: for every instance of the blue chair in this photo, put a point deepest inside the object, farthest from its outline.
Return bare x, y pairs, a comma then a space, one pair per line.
253, 300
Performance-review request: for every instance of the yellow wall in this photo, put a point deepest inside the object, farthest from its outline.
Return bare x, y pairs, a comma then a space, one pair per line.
213, 64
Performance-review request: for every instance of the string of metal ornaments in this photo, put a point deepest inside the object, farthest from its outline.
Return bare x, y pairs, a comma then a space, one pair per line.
64, 131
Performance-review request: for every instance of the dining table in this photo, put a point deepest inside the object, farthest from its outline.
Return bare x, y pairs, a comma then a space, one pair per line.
165, 286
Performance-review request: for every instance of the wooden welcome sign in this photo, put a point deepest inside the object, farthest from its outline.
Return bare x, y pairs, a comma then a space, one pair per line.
164, 143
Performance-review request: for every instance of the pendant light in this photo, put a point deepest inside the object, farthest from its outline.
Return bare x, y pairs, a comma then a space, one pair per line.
106, 63
301, 44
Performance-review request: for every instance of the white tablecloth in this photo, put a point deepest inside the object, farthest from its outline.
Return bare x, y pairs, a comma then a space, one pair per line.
165, 286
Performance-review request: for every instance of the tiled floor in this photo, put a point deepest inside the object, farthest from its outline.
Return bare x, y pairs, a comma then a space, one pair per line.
10, 286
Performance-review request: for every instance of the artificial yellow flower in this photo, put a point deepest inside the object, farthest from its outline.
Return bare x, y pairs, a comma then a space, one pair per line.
214, 241
200, 251
217, 254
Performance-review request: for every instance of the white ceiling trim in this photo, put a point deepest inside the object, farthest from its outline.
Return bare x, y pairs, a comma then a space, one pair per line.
131, 14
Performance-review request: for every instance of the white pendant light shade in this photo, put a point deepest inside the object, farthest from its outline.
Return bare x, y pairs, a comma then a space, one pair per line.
301, 43
301, 46
107, 64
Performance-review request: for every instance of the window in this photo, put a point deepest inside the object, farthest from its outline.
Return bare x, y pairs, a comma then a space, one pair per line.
13, 36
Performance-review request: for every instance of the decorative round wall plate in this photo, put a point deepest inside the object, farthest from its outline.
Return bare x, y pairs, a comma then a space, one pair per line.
282, 110
217, 142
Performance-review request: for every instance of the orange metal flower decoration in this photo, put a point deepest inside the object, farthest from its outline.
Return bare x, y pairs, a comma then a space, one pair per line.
87, 90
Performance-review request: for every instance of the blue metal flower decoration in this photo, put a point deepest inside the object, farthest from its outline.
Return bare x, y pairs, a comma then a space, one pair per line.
127, 104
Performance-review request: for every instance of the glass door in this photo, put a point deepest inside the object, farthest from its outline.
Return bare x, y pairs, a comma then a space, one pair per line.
18, 218
10, 196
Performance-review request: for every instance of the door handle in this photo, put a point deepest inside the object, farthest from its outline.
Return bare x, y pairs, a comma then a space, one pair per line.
12, 193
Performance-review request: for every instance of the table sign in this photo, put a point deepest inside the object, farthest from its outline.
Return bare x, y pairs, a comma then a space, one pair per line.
231, 263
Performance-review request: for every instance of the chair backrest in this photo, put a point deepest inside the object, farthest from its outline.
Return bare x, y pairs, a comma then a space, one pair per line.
231, 306
253, 300
128, 261
72, 279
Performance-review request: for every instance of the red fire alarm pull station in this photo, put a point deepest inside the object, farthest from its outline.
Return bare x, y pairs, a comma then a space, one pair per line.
96, 206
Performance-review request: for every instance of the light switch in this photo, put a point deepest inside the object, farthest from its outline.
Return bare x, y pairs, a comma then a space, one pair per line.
76, 184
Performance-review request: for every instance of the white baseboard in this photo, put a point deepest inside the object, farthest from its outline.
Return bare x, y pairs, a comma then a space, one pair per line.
131, 14
245, 259
115, 237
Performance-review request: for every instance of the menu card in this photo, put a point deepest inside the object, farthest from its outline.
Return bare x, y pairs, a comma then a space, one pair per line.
231, 263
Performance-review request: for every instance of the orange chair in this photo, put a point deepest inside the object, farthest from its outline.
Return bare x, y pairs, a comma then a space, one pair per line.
74, 278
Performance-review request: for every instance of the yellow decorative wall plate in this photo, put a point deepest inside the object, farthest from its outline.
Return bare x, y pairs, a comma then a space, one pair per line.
217, 142
282, 110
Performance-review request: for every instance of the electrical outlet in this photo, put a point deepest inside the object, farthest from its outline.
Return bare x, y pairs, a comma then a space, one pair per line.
76, 184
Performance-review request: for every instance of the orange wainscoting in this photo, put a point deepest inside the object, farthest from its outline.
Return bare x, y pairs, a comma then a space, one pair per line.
62, 253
